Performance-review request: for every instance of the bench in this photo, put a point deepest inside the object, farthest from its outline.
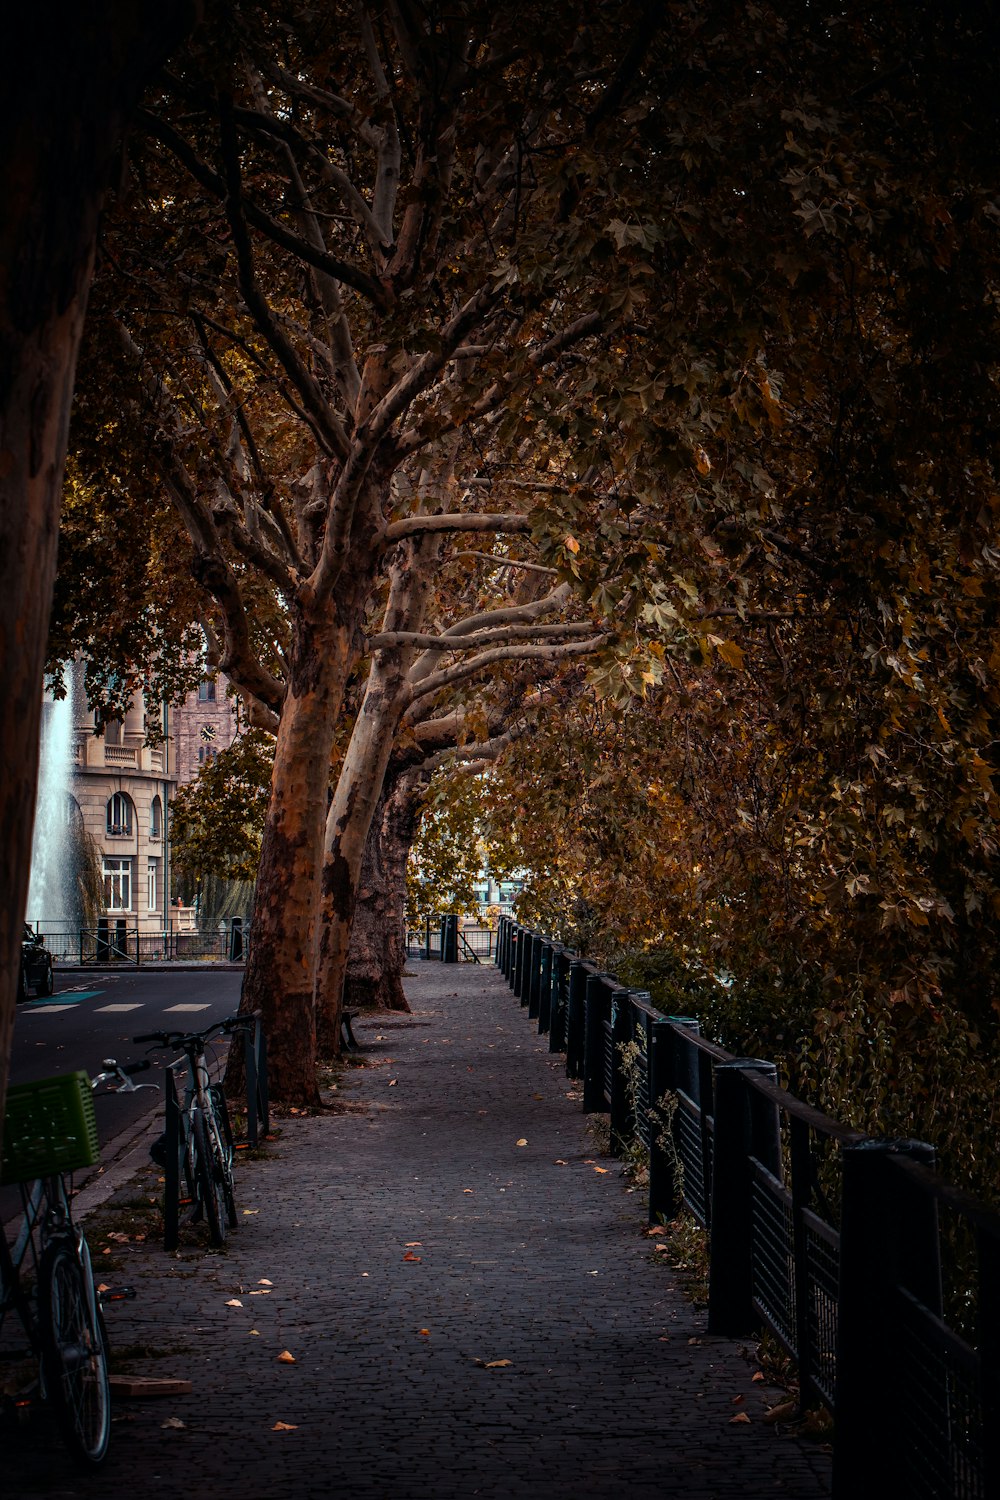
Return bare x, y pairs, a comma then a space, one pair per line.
349, 1041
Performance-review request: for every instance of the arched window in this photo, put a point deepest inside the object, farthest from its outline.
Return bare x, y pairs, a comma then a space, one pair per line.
206, 691
119, 815
156, 818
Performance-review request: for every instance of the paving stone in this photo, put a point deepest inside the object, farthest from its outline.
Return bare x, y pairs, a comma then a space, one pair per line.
520, 1259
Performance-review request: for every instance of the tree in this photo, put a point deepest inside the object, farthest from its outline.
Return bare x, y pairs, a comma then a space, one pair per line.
384, 253
65, 102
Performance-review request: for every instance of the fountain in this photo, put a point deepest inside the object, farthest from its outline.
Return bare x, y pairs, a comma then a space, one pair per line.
49, 890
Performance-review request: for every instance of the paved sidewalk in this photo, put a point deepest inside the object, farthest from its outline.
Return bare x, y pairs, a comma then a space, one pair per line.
468, 1294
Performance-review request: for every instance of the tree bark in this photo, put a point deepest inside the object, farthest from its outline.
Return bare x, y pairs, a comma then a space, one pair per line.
280, 974
359, 786
374, 979
69, 79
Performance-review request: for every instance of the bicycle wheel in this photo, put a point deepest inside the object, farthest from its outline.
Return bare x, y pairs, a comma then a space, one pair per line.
211, 1185
74, 1353
225, 1139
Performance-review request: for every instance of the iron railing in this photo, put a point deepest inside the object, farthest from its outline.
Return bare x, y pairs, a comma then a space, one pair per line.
443, 937
115, 941
833, 1241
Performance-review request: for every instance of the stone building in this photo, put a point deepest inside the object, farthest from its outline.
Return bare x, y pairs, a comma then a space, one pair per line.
201, 726
121, 788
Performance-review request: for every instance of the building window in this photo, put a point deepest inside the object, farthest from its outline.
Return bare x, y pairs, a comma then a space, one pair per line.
118, 884
152, 868
206, 691
119, 815
156, 818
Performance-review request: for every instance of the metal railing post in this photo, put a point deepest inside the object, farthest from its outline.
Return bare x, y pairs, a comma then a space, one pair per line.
743, 1128
172, 1165
576, 1010
622, 1125
593, 1046
888, 1239
534, 977
545, 989
665, 1170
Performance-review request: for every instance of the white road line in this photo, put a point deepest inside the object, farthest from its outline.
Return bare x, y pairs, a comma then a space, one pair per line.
103, 1008
51, 1010
171, 1008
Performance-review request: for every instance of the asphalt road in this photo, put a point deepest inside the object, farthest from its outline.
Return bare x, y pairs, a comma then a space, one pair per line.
94, 1015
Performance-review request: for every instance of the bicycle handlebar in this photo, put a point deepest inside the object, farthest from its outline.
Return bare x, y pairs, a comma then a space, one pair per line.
198, 1038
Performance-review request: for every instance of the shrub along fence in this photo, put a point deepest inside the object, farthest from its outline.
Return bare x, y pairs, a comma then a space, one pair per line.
879, 1279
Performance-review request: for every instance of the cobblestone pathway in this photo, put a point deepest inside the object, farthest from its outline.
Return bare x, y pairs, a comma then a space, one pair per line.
466, 1289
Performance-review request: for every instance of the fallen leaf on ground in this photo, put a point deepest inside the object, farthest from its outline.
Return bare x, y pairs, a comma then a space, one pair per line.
264, 1282
424, 1331
248, 1213
103, 1287
410, 1256
740, 1420
694, 1341
255, 1333
172, 1422
234, 1302
559, 1162
393, 1082
285, 1358
413, 1245
757, 1376
285, 1427
656, 1229
784, 1411
263, 1292
603, 1171
736, 1400
496, 1364
522, 1141
467, 1190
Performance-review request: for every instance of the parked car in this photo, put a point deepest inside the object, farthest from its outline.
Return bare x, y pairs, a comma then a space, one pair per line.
36, 965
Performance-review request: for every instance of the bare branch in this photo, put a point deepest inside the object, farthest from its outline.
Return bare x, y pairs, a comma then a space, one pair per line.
443, 643
455, 521
463, 671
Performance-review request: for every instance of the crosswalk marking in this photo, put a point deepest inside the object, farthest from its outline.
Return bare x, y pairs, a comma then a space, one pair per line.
101, 1009
48, 1010
172, 1008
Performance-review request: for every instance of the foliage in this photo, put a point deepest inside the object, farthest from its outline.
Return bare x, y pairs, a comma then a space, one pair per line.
448, 854
216, 820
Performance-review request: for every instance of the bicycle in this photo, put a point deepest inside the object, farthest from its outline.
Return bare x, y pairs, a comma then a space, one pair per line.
49, 1131
198, 1141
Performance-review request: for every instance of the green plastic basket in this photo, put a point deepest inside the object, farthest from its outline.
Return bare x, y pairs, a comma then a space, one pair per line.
49, 1127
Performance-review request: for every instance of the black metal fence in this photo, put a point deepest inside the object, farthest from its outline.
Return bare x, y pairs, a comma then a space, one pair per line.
444, 937
114, 941
833, 1241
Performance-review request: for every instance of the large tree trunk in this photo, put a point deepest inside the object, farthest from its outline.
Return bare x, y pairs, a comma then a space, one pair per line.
281, 967
69, 78
377, 957
359, 785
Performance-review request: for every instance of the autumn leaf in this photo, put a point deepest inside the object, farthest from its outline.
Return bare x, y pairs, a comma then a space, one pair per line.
603, 1171
497, 1364
740, 1420
413, 1245
571, 544
286, 1358
234, 1302
285, 1427
410, 1256
172, 1424
264, 1282
522, 1142
424, 1332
